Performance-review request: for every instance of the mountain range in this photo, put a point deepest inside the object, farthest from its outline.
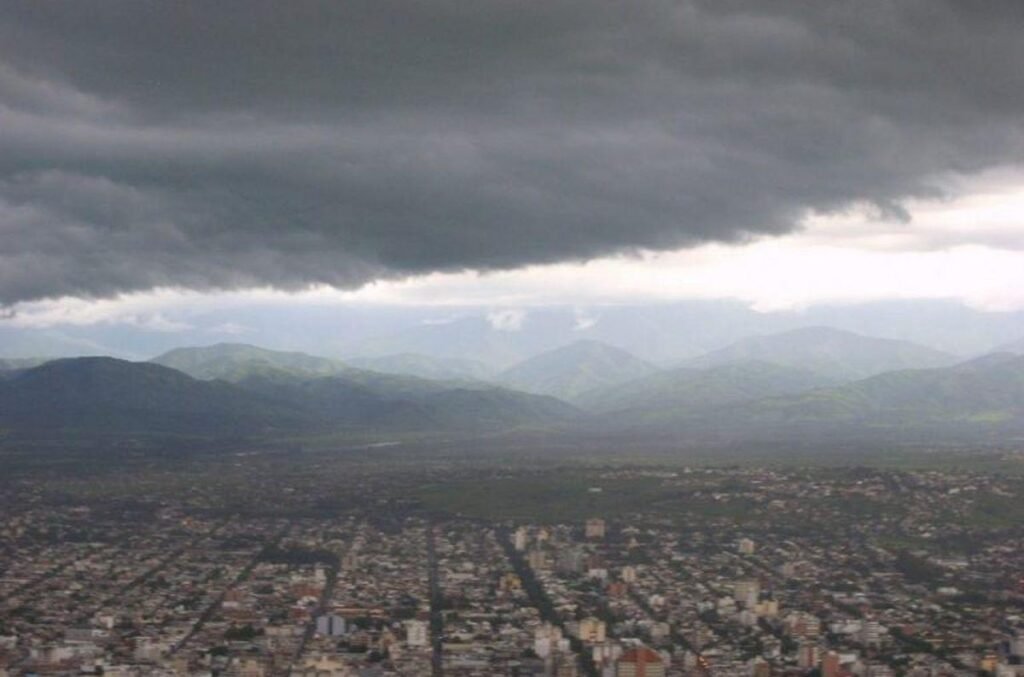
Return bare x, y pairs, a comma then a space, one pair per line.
670, 333
666, 334
788, 385
271, 393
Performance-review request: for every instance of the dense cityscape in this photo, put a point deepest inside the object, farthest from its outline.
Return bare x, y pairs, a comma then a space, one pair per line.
739, 570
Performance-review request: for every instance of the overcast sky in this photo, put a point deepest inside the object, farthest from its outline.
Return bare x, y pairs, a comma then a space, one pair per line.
509, 154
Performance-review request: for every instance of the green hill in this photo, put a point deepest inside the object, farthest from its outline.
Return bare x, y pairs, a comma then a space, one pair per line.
108, 396
235, 361
986, 390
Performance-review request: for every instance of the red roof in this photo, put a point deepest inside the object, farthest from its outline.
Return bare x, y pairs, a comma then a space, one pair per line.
641, 656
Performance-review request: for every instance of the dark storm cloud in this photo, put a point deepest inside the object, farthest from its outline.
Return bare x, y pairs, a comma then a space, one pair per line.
220, 145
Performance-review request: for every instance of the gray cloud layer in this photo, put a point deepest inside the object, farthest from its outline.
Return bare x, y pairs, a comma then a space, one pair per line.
229, 144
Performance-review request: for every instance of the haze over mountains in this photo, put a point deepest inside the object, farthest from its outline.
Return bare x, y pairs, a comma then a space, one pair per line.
424, 366
663, 334
803, 382
671, 334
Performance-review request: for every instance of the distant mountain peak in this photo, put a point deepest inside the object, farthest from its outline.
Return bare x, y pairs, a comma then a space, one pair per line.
832, 352
576, 368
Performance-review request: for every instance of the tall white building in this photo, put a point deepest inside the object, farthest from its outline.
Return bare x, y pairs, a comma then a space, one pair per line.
416, 633
521, 539
1017, 645
870, 633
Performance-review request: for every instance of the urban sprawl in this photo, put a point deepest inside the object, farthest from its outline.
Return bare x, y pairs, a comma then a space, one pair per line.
869, 573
